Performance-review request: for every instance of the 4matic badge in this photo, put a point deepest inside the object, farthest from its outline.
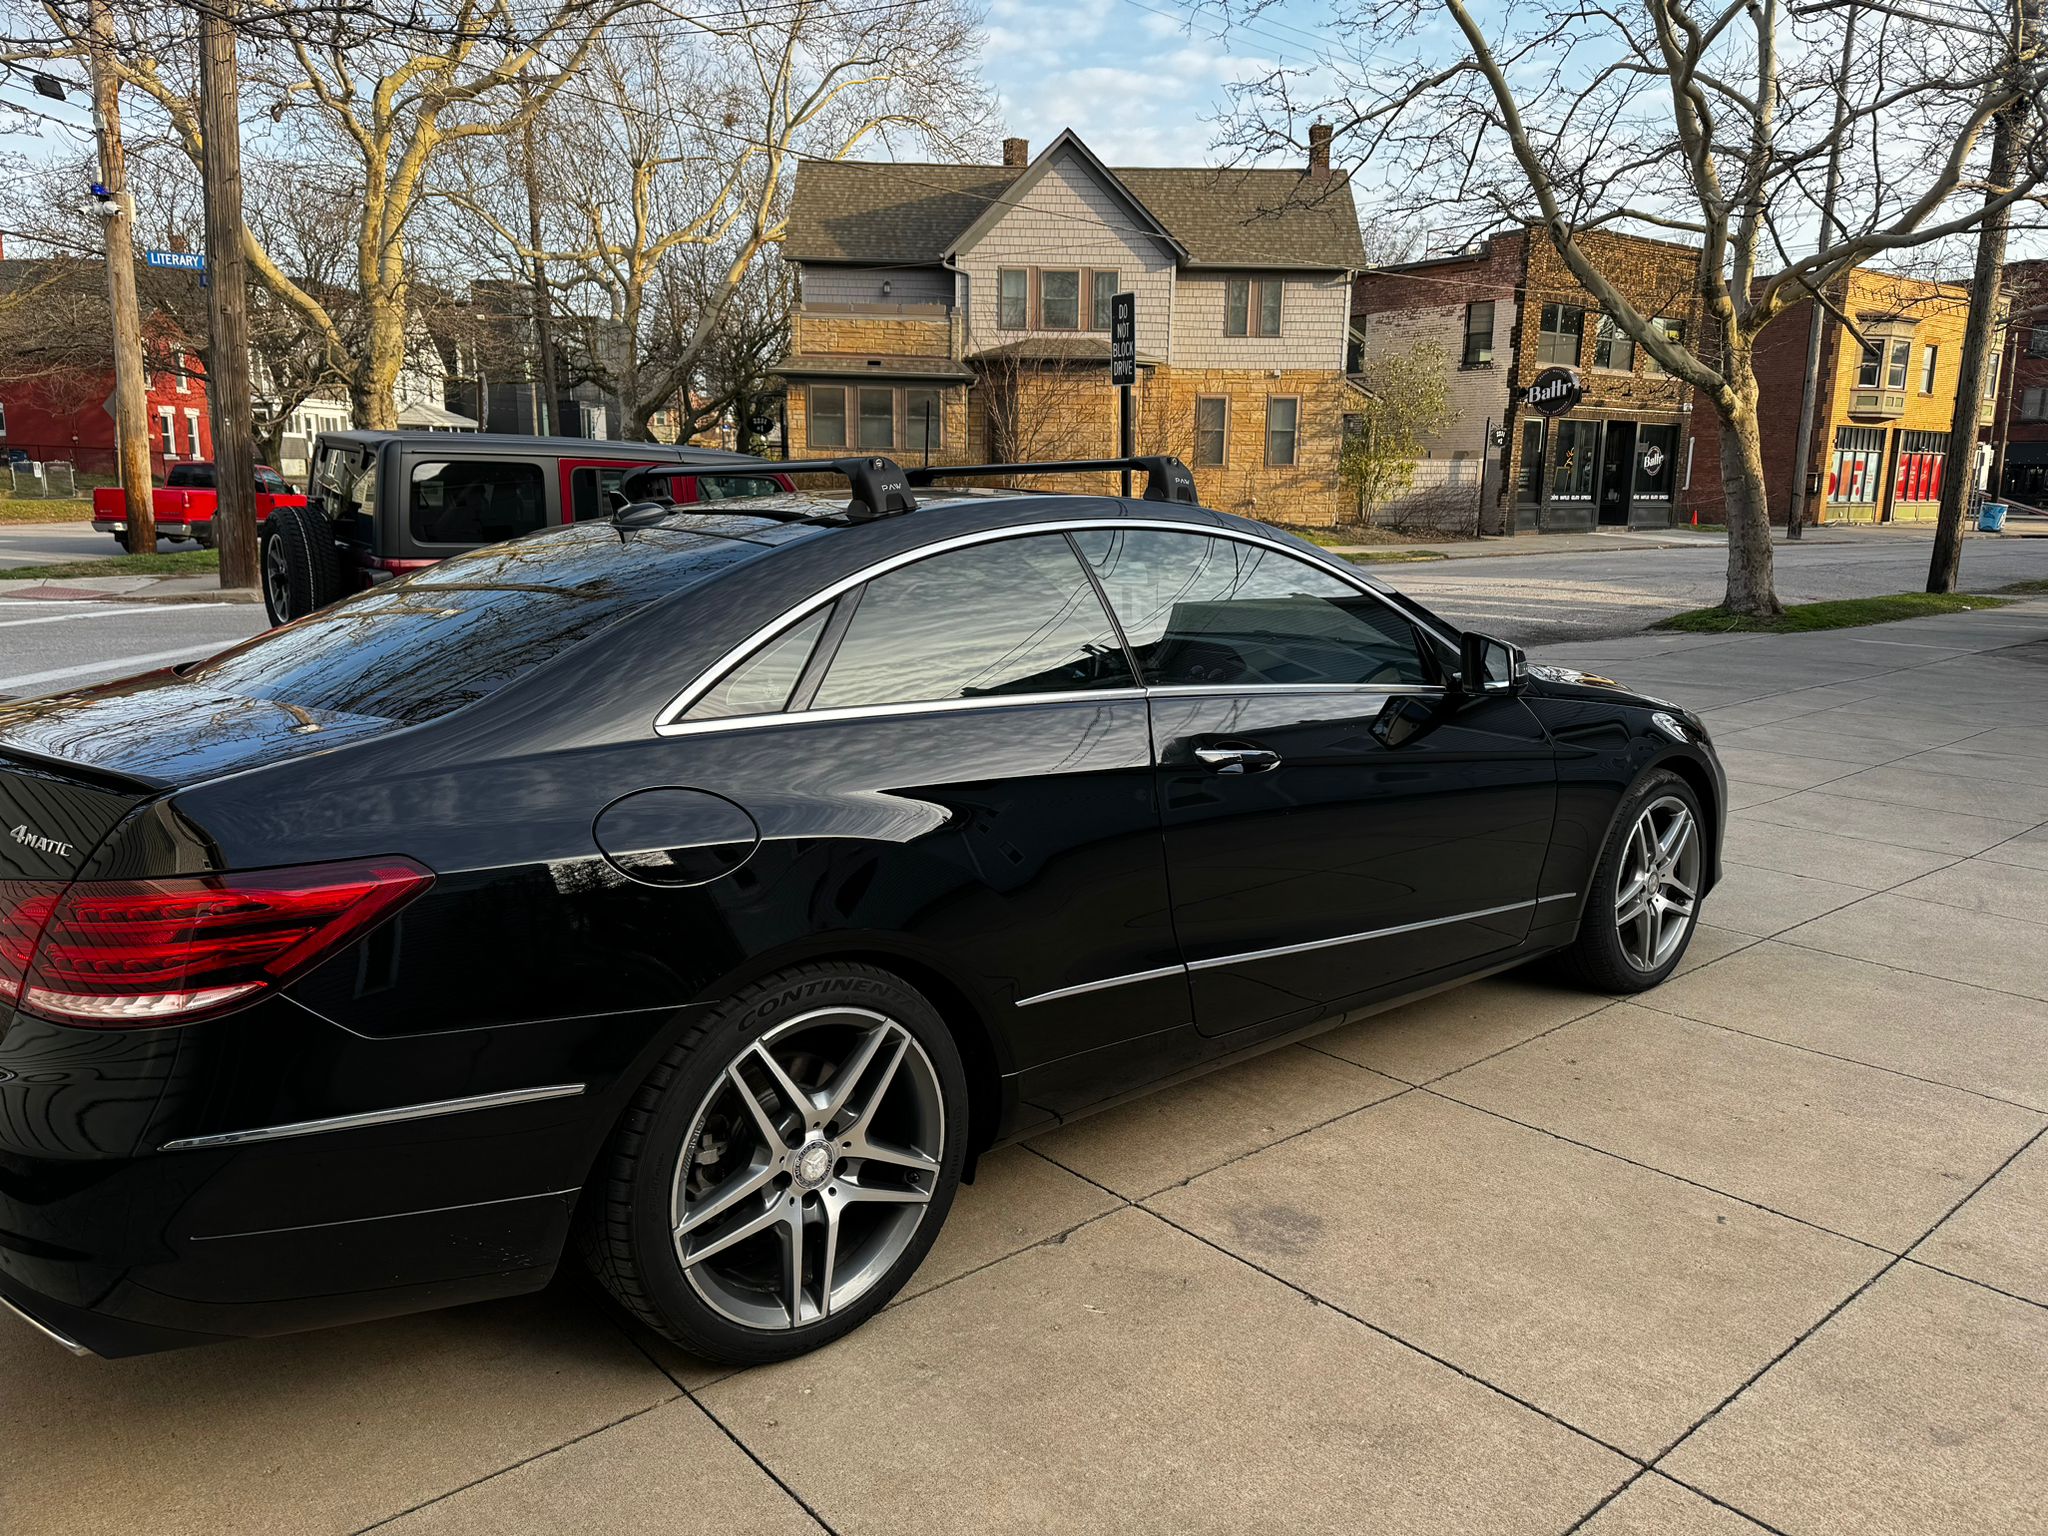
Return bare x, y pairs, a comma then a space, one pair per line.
40, 843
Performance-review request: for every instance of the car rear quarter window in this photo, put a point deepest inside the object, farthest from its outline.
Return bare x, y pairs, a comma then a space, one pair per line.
1202, 611
1014, 617
458, 631
475, 501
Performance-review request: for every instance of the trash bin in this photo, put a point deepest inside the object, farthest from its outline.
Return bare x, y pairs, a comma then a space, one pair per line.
1991, 517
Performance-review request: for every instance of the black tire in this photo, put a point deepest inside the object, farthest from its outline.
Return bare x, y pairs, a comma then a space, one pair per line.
1602, 957
627, 1223
300, 566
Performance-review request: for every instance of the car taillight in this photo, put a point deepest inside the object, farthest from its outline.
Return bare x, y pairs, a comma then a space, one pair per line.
117, 954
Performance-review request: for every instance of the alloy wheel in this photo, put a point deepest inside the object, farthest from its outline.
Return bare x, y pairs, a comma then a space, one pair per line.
1658, 887
808, 1168
277, 578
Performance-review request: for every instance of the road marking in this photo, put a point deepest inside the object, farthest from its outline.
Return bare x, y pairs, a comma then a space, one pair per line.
65, 618
116, 664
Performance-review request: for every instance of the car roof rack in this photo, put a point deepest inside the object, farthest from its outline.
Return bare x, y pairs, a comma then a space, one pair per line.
878, 484
1166, 478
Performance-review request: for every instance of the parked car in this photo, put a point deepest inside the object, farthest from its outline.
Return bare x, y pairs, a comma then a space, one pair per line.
184, 504
707, 888
385, 503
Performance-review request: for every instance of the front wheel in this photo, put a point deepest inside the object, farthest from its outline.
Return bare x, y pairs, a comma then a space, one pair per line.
785, 1169
1644, 904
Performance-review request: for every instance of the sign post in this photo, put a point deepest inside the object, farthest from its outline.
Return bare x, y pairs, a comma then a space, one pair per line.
1123, 372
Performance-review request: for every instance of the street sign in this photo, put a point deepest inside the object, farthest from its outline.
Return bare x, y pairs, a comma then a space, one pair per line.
1123, 338
761, 426
182, 261
1555, 391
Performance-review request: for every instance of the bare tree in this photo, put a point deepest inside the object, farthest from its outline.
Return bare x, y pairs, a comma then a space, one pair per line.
1387, 431
1710, 121
374, 100
667, 165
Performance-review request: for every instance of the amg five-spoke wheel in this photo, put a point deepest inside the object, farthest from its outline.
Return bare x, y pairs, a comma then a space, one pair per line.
785, 1167
808, 1168
1660, 882
1644, 900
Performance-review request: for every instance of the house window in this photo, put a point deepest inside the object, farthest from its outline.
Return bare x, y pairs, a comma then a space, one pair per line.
1212, 431
1672, 331
1478, 333
178, 367
1928, 358
1991, 374
1012, 311
1283, 420
192, 432
1102, 287
1059, 301
3, 421
877, 418
1563, 328
828, 416
1901, 361
1251, 306
2037, 341
924, 419
2033, 405
1613, 348
169, 421
1870, 366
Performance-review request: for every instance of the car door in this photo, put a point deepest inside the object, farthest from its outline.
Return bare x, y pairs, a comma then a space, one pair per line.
1338, 822
952, 758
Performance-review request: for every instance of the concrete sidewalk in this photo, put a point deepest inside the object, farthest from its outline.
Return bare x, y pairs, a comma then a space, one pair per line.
1763, 1250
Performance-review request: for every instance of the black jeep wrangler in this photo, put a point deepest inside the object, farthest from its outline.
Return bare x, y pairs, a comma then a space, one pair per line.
380, 504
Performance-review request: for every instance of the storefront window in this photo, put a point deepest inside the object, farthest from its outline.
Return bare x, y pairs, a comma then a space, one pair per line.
1656, 462
1529, 478
1920, 460
1574, 461
1858, 465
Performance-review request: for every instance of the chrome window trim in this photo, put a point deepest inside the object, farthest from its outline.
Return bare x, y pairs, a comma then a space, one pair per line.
878, 711
368, 1117
1286, 949
669, 721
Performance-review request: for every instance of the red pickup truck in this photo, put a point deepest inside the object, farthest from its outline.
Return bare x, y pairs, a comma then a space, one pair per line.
184, 503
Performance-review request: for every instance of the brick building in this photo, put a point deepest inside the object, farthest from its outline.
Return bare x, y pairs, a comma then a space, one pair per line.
57, 372
1630, 453
2019, 434
961, 314
1883, 406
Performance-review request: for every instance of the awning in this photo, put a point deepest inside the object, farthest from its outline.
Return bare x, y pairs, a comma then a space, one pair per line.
434, 418
2026, 453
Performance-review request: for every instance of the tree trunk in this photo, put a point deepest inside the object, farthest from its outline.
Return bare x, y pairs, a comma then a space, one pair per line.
1751, 591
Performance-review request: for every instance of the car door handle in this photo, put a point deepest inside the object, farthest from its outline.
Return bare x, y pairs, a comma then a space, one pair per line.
1237, 759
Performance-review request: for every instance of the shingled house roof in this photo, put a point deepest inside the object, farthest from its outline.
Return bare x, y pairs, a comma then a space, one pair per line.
871, 213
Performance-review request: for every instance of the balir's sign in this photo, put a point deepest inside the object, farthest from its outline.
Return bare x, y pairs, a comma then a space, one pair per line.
1555, 391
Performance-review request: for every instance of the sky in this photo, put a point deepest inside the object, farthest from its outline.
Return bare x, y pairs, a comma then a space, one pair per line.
1131, 77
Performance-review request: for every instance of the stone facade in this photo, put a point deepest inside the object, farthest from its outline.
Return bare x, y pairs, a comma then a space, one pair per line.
1036, 391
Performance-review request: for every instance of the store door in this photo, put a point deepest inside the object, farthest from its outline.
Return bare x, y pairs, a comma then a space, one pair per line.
1617, 472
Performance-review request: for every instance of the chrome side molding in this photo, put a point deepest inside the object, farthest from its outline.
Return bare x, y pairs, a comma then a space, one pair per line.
44, 1328
370, 1117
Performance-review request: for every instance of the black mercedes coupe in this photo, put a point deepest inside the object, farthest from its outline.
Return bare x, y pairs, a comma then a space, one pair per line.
709, 886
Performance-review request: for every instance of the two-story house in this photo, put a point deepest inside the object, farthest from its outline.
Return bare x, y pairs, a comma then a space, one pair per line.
960, 314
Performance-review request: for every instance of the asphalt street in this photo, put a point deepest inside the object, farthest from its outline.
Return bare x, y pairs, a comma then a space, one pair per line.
1532, 599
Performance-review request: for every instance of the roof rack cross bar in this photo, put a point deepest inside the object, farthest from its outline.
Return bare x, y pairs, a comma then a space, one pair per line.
877, 483
1166, 478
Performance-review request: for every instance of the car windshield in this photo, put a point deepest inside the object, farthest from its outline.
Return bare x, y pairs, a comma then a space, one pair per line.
451, 634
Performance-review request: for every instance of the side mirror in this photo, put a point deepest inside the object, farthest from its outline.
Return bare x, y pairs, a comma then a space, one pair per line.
1487, 665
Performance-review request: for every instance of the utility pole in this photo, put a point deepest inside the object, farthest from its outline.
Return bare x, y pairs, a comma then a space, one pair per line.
227, 298
1802, 447
2009, 129
131, 388
543, 305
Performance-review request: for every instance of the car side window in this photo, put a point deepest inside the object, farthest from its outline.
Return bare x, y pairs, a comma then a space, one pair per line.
761, 685
1204, 611
476, 501
1017, 616
733, 487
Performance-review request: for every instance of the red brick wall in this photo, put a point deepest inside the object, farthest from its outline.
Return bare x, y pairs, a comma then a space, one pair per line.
65, 417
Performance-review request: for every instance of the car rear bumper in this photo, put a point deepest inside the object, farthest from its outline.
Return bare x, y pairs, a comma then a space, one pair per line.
268, 1172
175, 528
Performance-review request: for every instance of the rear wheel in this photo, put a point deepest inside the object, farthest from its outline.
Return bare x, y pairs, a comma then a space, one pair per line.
785, 1169
301, 567
1640, 915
